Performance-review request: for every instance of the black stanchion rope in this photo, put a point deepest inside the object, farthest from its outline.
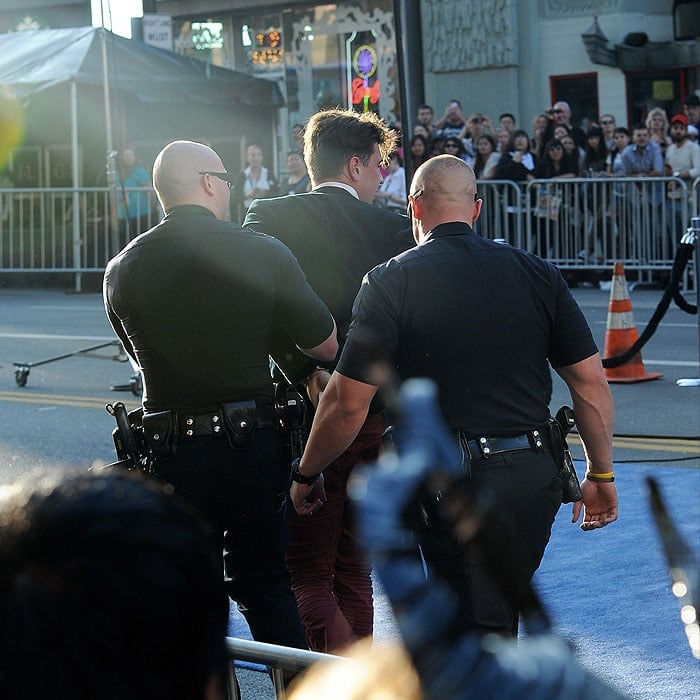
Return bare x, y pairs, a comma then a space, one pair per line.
683, 255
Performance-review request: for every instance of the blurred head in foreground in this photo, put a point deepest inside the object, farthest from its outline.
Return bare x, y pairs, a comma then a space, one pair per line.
109, 589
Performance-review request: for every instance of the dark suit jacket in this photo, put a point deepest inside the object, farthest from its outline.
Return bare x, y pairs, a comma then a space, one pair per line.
335, 237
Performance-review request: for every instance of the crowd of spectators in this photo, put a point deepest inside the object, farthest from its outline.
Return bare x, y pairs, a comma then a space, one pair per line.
499, 150
554, 147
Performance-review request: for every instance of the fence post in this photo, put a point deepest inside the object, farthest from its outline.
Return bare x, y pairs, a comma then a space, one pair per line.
77, 263
692, 236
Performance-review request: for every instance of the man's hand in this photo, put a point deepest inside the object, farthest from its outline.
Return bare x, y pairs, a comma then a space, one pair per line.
308, 498
599, 505
315, 384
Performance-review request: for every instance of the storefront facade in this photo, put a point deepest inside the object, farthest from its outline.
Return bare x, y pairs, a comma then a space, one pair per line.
321, 54
18, 15
494, 57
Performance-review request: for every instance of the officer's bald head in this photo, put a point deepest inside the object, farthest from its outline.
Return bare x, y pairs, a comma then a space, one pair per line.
177, 181
445, 179
443, 190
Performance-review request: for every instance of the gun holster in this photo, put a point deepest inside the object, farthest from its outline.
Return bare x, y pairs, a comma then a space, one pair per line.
129, 444
290, 406
559, 428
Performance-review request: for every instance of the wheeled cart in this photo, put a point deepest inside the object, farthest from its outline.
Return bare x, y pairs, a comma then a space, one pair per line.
135, 384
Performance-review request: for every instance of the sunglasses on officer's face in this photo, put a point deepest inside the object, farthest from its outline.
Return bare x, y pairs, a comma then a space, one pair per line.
226, 177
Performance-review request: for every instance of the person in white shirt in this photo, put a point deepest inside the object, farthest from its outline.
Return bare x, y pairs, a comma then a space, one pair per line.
255, 181
392, 192
682, 160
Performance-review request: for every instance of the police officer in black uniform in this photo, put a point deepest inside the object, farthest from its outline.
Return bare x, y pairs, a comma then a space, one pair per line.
485, 321
195, 301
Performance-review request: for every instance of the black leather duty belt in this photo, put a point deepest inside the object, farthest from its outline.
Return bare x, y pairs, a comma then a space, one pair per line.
202, 424
483, 446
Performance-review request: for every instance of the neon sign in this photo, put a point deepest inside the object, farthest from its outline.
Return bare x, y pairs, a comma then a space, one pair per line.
364, 64
207, 35
268, 51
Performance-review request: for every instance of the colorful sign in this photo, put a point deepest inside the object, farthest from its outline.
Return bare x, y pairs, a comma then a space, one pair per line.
364, 90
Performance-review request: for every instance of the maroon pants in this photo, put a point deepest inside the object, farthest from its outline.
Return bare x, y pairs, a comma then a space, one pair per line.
330, 575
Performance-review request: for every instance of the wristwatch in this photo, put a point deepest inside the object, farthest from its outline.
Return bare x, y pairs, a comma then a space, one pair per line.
299, 477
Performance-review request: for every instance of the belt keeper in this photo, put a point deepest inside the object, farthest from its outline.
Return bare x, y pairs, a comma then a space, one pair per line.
536, 439
484, 446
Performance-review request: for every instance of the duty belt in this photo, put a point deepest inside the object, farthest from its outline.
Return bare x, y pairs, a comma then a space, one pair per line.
201, 424
488, 446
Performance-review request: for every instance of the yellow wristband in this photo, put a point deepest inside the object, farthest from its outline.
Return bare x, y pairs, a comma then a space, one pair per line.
602, 477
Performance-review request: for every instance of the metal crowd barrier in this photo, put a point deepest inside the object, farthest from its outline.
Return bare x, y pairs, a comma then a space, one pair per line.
579, 224
276, 658
62, 229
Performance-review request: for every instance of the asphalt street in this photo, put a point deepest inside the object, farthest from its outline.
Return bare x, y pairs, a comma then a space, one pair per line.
57, 419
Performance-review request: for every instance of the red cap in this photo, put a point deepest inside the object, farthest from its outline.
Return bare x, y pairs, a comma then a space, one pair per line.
680, 118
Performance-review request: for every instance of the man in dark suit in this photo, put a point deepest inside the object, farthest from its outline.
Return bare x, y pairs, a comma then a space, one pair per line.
337, 235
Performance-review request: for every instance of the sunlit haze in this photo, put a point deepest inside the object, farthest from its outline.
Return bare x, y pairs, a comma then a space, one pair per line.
117, 14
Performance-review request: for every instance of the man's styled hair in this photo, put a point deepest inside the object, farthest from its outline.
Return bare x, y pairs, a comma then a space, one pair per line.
334, 136
108, 589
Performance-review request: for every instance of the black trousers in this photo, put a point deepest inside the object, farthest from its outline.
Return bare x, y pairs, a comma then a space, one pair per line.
524, 490
242, 493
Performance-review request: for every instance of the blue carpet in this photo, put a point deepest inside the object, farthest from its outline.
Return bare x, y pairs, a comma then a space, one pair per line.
608, 591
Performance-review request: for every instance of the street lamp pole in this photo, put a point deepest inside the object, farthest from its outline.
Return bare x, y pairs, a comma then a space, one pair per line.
409, 53
111, 220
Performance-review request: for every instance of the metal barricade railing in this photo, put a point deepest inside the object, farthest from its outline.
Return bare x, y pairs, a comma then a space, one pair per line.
276, 658
502, 211
62, 229
588, 223
591, 222
579, 224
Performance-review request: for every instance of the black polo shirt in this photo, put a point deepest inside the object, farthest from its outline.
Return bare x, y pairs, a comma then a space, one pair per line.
482, 319
196, 300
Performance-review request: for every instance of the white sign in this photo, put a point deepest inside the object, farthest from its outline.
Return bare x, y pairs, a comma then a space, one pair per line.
158, 31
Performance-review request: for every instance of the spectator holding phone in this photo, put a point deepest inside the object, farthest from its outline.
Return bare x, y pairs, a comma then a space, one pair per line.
477, 125
560, 113
452, 121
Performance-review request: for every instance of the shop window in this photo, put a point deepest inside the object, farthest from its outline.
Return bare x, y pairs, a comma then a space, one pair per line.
581, 92
649, 89
343, 55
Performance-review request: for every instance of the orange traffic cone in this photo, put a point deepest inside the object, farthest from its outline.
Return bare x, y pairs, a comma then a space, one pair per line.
621, 333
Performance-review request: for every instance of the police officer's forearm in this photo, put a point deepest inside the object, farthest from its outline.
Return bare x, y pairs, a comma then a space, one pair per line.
341, 412
593, 407
594, 419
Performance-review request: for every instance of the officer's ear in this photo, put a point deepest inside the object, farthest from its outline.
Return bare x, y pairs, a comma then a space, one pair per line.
477, 210
208, 183
415, 205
